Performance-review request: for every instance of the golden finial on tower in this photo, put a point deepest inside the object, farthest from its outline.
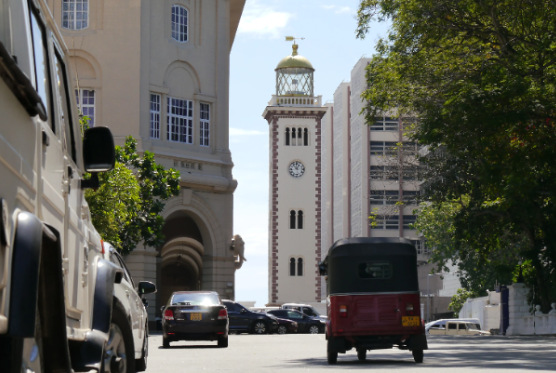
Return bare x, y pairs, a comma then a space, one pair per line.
294, 46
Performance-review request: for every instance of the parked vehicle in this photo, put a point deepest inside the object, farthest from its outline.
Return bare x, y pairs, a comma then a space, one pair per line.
441, 324
128, 341
458, 328
56, 288
373, 297
194, 316
243, 320
306, 309
305, 324
286, 326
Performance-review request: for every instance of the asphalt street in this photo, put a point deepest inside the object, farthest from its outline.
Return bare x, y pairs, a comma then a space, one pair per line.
301, 353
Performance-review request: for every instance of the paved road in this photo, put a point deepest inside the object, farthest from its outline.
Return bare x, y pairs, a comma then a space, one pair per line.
297, 353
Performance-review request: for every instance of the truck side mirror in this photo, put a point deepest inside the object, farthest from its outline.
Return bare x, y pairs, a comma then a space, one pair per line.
323, 269
99, 154
146, 287
162, 308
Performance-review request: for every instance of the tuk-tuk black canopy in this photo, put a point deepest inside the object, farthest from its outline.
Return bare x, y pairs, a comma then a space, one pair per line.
371, 265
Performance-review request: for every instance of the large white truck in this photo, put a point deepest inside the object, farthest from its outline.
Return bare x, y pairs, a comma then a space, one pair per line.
56, 289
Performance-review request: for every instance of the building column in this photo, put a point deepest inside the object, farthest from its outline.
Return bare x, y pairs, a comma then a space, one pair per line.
518, 308
142, 266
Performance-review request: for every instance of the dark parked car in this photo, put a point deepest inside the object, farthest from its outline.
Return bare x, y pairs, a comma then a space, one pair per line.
305, 324
194, 316
286, 326
244, 320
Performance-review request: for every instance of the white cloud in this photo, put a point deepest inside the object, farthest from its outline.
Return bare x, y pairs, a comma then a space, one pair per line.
242, 132
338, 9
263, 21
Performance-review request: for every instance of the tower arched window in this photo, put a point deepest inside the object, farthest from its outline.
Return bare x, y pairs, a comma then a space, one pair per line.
287, 136
179, 23
306, 137
300, 267
292, 219
299, 137
294, 137
300, 219
292, 266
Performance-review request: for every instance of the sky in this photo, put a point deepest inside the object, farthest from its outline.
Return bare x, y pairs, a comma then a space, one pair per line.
330, 44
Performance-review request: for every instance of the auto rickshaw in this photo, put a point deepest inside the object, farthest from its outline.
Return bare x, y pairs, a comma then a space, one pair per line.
373, 297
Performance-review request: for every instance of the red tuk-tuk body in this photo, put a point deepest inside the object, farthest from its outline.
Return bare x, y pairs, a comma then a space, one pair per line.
373, 297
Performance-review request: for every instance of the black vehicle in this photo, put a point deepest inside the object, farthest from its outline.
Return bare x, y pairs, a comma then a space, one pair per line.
305, 324
244, 320
194, 316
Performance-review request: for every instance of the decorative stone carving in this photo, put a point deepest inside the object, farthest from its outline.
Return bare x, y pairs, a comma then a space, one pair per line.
553, 310
239, 248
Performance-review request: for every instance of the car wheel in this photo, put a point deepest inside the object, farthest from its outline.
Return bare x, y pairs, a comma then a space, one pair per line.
314, 329
119, 355
331, 353
282, 329
362, 355
223, 342
141, 364
418, 355
260, 327
165, 342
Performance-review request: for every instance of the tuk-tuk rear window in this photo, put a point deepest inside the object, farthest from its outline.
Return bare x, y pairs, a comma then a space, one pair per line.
375, 270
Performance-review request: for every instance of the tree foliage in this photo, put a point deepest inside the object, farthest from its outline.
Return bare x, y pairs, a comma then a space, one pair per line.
126, 208
481, 77
458, 300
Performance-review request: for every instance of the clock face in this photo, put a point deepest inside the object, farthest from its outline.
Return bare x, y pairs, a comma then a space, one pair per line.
297, 169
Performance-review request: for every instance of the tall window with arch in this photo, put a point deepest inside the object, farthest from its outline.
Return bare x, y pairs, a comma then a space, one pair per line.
287, 136
305, 137
294, 137
300, 219
292, 219
292, 266
300, 267
179, 23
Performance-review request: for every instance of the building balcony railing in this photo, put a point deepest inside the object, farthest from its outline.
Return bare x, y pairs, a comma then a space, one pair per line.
295, 101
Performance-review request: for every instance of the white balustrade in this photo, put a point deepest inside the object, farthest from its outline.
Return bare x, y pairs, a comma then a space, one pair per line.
295, 101
522, 321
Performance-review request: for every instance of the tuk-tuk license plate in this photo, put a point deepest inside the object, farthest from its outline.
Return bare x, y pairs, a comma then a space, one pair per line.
196, 317
411, 321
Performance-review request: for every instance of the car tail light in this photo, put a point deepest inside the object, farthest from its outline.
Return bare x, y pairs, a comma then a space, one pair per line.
343, 310
409, 309
222, 314
168, 315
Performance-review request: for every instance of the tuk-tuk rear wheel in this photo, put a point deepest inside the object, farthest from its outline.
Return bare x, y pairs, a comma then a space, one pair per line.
331, 353
362, 354
418, 355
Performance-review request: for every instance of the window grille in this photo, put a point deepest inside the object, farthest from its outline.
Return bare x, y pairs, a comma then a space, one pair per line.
421, 247
300, 267
384, 197
410, 196
300, 219
75, 14
292, 219
287, 136
155, 116
205, 124
408, 219
384, 147
385, 124
86, 104
180, 120
292, 266
387, 222
384, 173
179, 23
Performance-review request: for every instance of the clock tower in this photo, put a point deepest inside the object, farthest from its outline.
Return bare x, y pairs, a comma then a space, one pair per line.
294, 115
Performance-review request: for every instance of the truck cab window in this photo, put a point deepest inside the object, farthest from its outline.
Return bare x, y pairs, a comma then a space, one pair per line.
42, 68
64, 106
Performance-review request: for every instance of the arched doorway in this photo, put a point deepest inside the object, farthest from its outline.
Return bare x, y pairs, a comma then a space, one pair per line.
180, 263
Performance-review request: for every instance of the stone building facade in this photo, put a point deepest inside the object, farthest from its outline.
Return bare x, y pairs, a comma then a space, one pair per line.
159, 71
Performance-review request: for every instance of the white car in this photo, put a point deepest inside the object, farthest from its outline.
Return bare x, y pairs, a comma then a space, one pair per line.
128, 346
458, 328
441, 324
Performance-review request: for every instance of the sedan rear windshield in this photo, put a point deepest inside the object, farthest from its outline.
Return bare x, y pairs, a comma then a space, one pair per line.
195, 299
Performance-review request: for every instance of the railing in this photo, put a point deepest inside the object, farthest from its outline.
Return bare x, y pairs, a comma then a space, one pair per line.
295, 101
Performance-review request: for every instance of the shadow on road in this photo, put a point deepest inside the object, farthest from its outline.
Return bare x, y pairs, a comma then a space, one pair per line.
185, 347
523, 353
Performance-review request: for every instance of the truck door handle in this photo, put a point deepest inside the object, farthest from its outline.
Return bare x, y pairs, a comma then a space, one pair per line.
127, 293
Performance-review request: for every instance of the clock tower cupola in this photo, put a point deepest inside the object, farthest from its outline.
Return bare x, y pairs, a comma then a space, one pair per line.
294, 115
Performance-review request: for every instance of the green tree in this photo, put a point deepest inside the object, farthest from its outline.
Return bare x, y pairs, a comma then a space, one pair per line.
458, 299
481, 77
126, 208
